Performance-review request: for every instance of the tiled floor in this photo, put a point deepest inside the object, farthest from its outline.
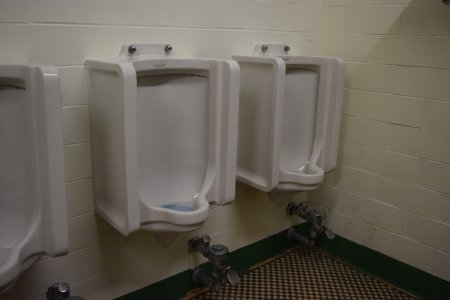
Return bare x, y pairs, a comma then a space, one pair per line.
305, 273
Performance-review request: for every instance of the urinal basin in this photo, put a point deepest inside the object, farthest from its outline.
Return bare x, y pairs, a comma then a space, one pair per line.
174, 217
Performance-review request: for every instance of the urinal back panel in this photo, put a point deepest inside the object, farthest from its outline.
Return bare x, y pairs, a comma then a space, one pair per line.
299, 118
173, 117
259, 120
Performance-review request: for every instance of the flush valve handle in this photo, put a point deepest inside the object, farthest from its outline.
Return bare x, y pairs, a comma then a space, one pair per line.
330, 234
232, 276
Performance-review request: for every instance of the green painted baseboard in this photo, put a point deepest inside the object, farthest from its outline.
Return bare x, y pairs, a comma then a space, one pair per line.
417, 282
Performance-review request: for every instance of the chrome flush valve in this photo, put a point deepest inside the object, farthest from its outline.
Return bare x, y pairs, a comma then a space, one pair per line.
217, 255
313, 217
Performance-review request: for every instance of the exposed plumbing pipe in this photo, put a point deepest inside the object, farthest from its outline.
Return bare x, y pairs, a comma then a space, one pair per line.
314, 217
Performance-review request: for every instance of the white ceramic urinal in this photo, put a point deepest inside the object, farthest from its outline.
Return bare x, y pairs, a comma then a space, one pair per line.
33, 218
289, 118
164, 135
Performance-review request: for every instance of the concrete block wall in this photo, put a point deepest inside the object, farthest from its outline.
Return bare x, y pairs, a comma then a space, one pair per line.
102, 264
391, 190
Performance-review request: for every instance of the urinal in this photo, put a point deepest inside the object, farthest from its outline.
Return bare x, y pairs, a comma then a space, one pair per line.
289, 118
164, 137
33, 218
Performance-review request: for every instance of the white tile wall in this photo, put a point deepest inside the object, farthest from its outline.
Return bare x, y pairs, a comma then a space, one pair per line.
216, 13
338, 200
13, 11
393, 108
405, 139
423, 82
365, 131
434, 175
413, 198
396, 115
349, 154
352, 229
77, 160
447, 211
371, 77
405, 250
154, 13
66, 11
442, 266
389, 164
332, 20
305, 18
426, 20
435, 116
79, 197
357, 181
429, 232
380, 215
73, 84
76, 119
373, 20
353, 102
82, 232
395, 129
267, 15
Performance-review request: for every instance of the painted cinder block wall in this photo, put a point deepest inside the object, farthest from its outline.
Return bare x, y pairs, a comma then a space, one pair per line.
102, 264
396, 97
391, 190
